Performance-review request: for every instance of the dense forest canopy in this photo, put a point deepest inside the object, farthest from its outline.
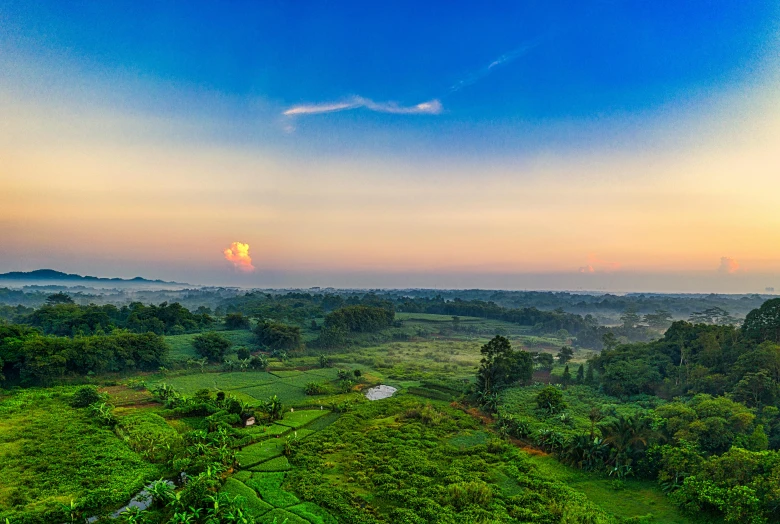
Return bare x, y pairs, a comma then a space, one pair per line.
33, 358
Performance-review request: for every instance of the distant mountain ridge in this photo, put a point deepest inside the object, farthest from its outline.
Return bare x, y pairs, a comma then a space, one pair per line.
51, 274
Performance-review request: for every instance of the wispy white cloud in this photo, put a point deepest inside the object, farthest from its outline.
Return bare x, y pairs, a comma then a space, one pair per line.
504, 59
431, 107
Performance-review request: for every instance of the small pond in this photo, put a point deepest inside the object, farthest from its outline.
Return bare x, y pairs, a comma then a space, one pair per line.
380, 392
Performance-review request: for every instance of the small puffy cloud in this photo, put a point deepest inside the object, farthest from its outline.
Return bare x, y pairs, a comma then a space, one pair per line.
728, 266
238, 255
596, 265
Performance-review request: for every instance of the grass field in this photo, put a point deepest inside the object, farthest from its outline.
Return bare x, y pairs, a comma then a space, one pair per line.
253, 386
52, 454
629, 499
182, 350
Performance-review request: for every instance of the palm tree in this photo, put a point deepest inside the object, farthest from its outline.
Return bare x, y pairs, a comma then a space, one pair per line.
628, 437
595, 415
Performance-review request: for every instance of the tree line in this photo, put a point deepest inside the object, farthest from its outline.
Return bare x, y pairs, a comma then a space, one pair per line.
29, 357
65, 318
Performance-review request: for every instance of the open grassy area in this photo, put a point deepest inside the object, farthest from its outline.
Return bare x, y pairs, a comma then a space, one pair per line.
52, 454
627, 499
182, 349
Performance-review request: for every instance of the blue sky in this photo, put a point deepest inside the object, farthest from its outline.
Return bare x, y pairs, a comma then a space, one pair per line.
446, 138
562, 62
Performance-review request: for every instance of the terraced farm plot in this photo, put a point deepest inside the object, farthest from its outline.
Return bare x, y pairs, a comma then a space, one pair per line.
289, 395
235, 488
323, 373
256, 453
270, 431
286, 373
269, 487
252, 386
279, 515
312, 513
302, 417
189, 384
275, 464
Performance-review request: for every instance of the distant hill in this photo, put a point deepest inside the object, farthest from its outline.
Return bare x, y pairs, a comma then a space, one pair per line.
59, 276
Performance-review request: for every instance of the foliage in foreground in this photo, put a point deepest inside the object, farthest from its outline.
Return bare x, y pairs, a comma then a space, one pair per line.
396, 462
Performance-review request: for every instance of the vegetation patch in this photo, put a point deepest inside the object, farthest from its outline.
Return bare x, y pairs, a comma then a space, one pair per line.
235, 487
275, 464
56, 454
280, 516
269, 487
312, 513
301, 417
256, 453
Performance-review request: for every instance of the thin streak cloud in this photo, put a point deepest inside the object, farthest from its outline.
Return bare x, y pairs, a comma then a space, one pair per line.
431, 107
504, 59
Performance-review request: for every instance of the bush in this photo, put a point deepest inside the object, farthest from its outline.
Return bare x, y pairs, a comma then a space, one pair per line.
211, 345
550, 400
278, 336
312, 388
85, 396
236, 321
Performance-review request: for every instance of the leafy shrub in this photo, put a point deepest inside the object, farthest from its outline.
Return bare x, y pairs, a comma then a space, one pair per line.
211, 345
84, 396
550, 400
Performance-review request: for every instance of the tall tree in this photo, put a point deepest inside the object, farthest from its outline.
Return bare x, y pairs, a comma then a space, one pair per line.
661, 319
59, 298
211, 345
565, 354
502, 366
763, 324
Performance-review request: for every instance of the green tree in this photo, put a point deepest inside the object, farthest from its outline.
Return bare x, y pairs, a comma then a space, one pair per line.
589, 378
58, 298
236, 321
763, 324
712, 315
278, 336
565, 354
660, 319
501, 366
609, 340
581, 374
273, 408
630, 318
550, 400
628, 436
756, 389
566, 377
545, 361
211, 345
258, 362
